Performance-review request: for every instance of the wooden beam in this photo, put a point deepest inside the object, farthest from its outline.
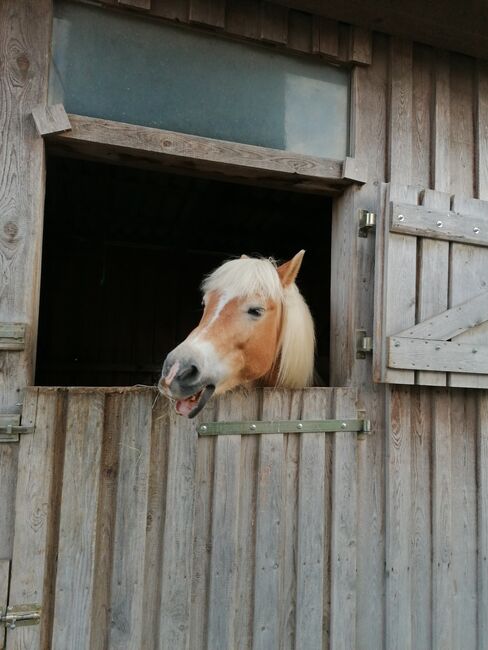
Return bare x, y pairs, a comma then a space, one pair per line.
451, 322
445, 225
126, 143
50, 119
444, 356
136, 4
25, 37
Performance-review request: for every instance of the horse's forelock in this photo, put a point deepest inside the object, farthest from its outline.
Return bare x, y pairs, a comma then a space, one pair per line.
246, 276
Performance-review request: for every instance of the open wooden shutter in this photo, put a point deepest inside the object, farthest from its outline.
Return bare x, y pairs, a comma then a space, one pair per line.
431, 313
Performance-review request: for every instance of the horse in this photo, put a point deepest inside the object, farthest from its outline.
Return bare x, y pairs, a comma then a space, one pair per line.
256, 329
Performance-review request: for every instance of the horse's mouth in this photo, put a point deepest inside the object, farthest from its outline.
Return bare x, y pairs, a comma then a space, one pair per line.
191, 406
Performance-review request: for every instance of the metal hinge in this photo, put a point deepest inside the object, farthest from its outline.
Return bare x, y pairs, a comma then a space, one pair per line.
10, 428
12, 336
19, 615
367, 222
364, 344
283, 426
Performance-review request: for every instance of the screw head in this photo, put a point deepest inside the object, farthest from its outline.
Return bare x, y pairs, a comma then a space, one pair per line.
203, 428
476, 230
343, 425
397, 344
401, 217
253, 427
474, 350
299, 425
437, 347
439, 224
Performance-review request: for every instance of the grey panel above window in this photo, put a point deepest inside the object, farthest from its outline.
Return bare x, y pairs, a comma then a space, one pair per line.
126, 68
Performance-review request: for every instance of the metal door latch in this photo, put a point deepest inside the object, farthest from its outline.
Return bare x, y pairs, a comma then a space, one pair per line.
19, 615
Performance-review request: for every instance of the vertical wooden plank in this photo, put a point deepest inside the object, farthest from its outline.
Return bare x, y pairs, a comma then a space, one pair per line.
300, 31
4, 580
155, 518
421, 520
482, 477
208, 12
398, 286
9, 456
243, 18
433, 282
400, 117
36, 506
468, 278
360, 45
398, 524
344, 528
130, 521
442, 512
461, 142
441, 127
75, 578
421, 115
25, 33
311, 545
274, 23
269, 527
291, 408
202, 535
464, 564
225, 513
481, 135
178, 534
325, 36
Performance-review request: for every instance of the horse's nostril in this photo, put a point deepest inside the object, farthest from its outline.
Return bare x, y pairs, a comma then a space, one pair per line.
189, 374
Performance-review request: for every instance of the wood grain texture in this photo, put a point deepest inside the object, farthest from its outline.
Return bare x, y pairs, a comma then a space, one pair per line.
481, 125
25, 30
462, 127
274, 23
422, 92
9, 455
360, 45
270, 517
4, 584
344, 530
208, 12
441, 123
325, 36
127, 593
75, 577
433, 280
482, 508
442, 514
398, 589
118, 142
444, 356
464, 563
178, 534
310, 529
136, 4
400, 112
243, 18
50, 119
468, 278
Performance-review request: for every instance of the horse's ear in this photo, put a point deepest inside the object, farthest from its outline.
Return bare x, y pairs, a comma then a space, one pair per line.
289, 270
244, 257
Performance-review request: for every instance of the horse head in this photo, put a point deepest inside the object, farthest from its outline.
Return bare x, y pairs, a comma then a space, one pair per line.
255, 327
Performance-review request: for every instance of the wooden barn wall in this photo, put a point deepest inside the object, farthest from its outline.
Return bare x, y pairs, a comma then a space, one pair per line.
421, 119
136, 533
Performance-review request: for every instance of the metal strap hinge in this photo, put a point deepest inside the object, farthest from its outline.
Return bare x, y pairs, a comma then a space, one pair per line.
11, 429
12, 336
19, 615
367, 222
284, 426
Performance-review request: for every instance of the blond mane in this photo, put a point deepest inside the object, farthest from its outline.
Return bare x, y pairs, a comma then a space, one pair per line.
296, 348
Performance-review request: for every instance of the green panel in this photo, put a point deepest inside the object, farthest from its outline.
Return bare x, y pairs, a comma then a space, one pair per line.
133, 69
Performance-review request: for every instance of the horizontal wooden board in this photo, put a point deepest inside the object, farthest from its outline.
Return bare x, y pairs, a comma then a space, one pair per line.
451, 226
124, 143
451, 322
445, 356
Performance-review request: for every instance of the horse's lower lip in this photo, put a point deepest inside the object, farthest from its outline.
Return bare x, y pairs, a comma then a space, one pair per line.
183, 406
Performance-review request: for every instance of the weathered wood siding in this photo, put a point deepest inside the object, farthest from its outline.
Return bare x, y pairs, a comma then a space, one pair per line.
135, 533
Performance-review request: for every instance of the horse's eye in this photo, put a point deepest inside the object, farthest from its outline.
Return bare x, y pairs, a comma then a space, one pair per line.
255, 312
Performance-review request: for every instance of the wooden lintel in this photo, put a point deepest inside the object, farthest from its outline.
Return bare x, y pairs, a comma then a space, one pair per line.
451, 322
443, 356
355, 170
447, 225
50, 119
136, 4
120, 143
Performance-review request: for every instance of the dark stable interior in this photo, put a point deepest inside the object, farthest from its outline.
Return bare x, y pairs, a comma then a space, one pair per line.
124, 254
